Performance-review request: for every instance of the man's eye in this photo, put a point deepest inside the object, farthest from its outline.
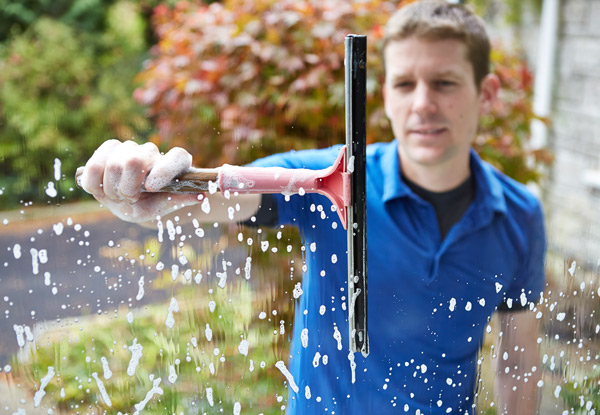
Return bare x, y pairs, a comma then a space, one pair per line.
403, 85
445, 83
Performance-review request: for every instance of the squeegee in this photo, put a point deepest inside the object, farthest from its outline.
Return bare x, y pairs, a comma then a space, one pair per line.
356, 143
343, 183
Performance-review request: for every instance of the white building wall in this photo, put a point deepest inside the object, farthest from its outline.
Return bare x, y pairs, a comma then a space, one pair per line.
572, 202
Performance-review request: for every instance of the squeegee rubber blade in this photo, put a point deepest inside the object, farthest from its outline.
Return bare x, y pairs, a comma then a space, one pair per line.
356, 121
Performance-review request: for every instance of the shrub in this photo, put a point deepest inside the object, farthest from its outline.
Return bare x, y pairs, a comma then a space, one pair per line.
62, 92
245, 78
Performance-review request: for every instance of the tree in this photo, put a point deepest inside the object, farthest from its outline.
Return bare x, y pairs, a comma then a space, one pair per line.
242, 79
62, 92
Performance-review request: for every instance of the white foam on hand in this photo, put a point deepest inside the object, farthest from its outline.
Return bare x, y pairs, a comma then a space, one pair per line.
167, 167
115, 173
135, 167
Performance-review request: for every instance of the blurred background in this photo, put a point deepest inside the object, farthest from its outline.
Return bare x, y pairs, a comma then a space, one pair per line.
231, 81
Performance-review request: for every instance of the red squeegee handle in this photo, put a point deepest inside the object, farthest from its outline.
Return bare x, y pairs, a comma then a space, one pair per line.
332, 182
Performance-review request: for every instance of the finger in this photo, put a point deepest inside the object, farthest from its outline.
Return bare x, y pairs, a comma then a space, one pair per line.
78, 174
167, 167
136, 167
93, 172
113, 170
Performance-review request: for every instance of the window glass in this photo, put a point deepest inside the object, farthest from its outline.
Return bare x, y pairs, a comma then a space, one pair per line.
105, 316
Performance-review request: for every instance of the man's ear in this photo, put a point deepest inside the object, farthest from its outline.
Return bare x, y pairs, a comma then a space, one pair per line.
488, 92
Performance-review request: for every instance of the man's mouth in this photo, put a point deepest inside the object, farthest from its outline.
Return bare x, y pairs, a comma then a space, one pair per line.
427, 131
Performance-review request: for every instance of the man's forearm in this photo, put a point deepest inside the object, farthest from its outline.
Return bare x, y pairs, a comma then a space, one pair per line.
517, 369
216, 208
517, 392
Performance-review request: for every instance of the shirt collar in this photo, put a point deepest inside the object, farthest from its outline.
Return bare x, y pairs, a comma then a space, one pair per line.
489, 189
393, 186
489, 192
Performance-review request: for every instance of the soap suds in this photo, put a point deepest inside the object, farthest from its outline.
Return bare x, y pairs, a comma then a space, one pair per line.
292, 384
136, 355
297, 290
57, 173
51, 190
173, 307
172, 374
102, 390
208, 332
105, 368
304, 337
156, 390
140, 293
243, 347
209, 396
338, 337
37, 398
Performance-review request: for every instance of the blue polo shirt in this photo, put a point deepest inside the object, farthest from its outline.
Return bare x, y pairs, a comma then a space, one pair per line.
430, 300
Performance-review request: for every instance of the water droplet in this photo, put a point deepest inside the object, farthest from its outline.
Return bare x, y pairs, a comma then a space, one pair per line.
208, 332
243, 347
57, 165
572, 268
304, 337
58, 228
50, 190
17, 251
338, 337
292, 384
297, 290
205, 206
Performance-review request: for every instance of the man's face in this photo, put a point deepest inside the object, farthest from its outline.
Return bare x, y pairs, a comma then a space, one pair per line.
432, 101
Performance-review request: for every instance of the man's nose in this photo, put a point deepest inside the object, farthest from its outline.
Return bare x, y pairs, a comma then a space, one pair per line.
424, 99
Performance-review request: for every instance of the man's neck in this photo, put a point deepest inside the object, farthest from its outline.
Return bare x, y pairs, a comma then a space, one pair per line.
437, 178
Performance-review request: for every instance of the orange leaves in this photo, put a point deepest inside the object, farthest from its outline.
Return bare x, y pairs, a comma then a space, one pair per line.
504, 134
244, 78
264, 67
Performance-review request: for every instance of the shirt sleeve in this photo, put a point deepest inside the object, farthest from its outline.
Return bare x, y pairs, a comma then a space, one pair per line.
267, 214
530, 282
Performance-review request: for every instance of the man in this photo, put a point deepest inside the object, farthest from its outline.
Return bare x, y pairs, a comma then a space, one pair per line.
450, 240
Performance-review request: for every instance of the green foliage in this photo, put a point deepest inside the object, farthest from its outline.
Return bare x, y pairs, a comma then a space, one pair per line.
63, 91
584, 396
18, 15
245, 78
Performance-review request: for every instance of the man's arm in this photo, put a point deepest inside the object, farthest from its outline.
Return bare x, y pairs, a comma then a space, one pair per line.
115, 173
517, 368
235, 208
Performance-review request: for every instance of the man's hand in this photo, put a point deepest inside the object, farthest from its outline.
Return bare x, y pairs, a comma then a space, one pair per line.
115, 173
518, 359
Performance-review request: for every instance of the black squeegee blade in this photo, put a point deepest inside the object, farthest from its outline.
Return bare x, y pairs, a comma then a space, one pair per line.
356, 122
